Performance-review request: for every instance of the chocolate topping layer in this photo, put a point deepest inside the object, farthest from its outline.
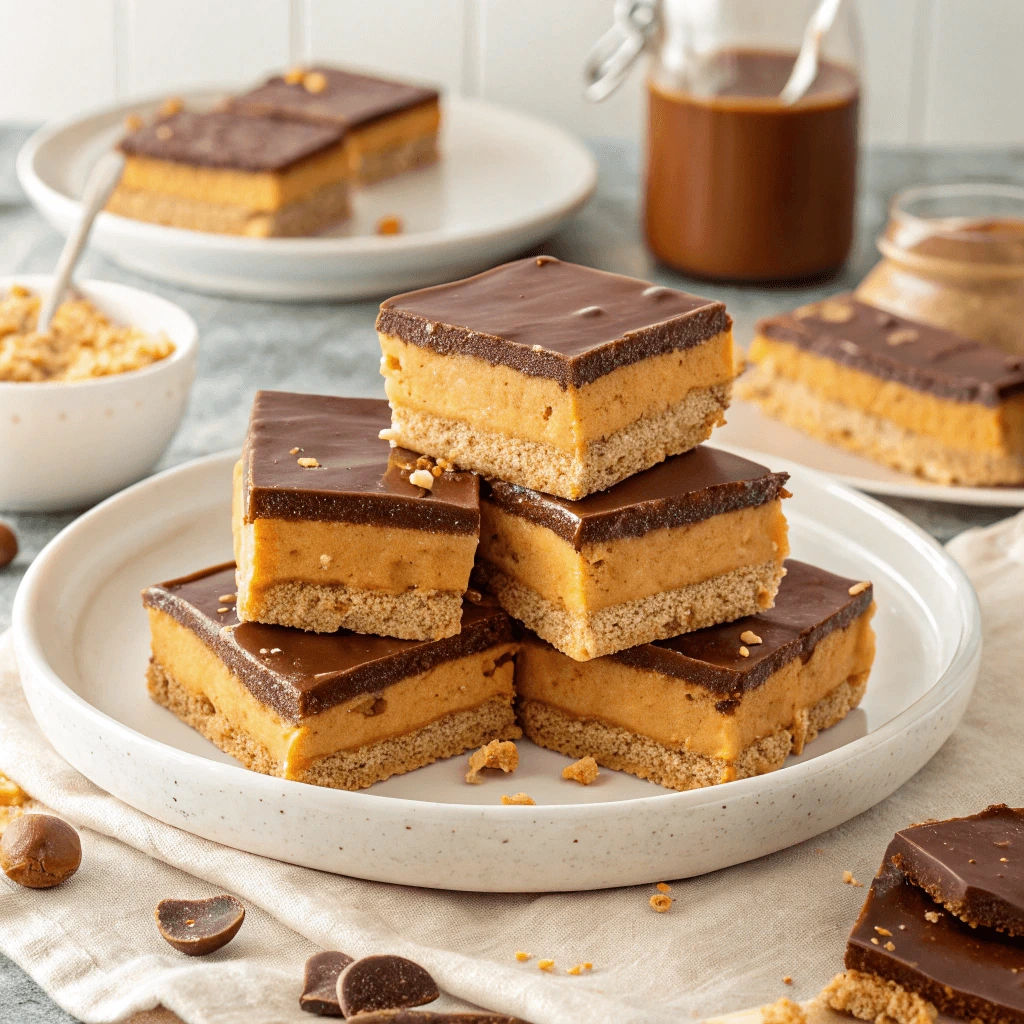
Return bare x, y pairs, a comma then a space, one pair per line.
974, 865
546, 318
230, 141
360, 479
905, 351
683, 489
300, 674
811, 604
349, 100
969, 973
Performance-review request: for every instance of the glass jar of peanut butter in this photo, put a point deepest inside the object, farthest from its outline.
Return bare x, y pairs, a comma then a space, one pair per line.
953, 256
744, 181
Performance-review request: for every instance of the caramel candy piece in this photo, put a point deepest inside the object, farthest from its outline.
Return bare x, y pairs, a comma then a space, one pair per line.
384, 982
320, 984
198, 927
39, 851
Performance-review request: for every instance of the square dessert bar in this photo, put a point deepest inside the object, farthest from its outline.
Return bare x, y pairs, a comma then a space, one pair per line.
723, 703
233, 175
390, 126
343, 709
554, 376
914, 397
908, 957
335, 529
973, 866
696, 540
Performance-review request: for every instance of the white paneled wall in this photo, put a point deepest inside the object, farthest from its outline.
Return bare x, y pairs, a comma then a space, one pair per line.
937, 72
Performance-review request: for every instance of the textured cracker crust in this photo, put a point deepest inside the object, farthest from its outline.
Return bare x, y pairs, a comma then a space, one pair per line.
327, 607
310, 216
869, 997
346, 769
586, 635
876, 438
615, 747
638, 446
376, 165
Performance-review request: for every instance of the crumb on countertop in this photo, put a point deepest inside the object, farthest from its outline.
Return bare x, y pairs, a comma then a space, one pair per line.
661, 903
82, 342
850, 880
783, 1011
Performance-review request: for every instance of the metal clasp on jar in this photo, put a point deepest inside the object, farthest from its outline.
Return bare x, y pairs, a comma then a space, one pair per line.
614, 53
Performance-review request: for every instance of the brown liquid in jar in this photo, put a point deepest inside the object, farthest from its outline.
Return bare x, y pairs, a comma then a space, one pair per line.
740, 187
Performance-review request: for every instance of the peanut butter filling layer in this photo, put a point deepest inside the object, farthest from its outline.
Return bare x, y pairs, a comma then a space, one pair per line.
410, 704
264, 191
682, 715
500, 399
392, 131
627, 568
997, 429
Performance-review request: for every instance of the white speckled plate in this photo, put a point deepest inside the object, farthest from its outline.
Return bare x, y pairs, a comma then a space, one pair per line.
82, 645
505, 181
748, 427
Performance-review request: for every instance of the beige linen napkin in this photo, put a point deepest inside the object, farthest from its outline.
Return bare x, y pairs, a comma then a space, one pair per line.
726, 943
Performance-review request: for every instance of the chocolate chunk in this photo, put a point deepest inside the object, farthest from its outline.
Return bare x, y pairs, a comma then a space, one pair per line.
228, 141
8, 545
347, 99
938, 362
39, 851
973, 866
300, 674
811, 604
320, 984
529, 315
198, 927
969, 973
683, 489
431, 1017
359, 479
384, 982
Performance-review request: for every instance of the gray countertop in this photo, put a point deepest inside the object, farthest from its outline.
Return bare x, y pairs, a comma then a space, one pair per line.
332, 348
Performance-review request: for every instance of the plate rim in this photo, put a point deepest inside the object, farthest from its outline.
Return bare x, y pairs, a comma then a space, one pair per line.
966, 656
913, 488
44, 196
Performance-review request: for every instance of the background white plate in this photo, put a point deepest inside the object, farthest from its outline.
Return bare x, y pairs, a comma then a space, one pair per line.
505, 181
82, 645
748, 427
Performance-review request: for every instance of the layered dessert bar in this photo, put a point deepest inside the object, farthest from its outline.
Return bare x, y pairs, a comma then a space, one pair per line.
723, 703
907, 959
343, 709
554, 376
336, 529
233, 175
390, 126
696, 540
973, 866
914, 397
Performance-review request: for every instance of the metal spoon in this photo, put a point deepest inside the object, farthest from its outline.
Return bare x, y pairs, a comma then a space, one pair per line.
805, 70
105, 174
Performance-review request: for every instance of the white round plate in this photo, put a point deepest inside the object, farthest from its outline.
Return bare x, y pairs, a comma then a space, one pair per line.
82, 644
748, 427
504, 182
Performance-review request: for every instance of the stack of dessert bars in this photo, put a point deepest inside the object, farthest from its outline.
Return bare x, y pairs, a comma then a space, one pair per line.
528, 537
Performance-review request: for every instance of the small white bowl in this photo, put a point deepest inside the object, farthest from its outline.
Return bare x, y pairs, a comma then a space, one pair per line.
65, 445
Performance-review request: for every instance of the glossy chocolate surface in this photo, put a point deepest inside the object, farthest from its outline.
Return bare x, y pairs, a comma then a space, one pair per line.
300, 674
966, 972
811, 604
546, 318
349, 100
360, 479
973, 865
683, 489
904, 351
229, 141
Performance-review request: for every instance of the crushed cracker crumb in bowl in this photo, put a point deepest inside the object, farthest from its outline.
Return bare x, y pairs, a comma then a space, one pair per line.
90, 407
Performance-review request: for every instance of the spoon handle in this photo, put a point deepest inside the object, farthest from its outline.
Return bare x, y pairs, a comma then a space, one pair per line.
106, 173
805, 69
